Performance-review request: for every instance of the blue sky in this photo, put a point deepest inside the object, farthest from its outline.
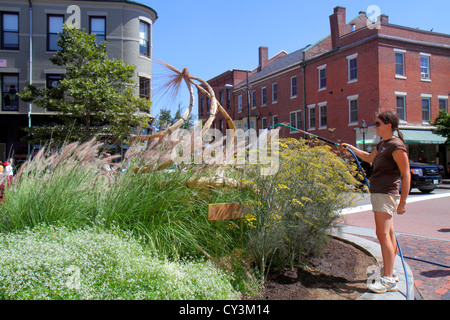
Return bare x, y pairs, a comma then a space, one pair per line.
209, 37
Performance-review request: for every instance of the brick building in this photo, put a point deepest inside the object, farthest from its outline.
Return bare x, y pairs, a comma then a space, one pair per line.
360, 68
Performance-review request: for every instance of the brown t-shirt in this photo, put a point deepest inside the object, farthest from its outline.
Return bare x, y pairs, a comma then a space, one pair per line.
386, 176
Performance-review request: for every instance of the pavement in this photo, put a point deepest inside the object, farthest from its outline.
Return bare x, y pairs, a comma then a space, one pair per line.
426, 256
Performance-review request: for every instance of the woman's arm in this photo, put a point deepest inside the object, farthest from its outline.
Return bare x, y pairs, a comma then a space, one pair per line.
401, 158
363, 155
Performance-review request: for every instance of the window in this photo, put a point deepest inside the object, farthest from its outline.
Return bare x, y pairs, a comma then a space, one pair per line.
97, 26
322, 77
10, 30
296, 120
312, 116
264, 123
263, 96
424, 66
53, 80
399, 63
274, 93
144, 38
353, 109
322, 115
252, 123
144, 88
10, 85
274, 120
443, 103
426, 108
293, 87
240, 103
228, 98
54, 26
253, 99
201, 107
352, 67
401, 105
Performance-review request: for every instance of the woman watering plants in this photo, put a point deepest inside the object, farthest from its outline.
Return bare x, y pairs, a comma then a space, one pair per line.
390, 168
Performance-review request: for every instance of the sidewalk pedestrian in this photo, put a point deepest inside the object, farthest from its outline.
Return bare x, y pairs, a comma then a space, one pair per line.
8, 171
390, 168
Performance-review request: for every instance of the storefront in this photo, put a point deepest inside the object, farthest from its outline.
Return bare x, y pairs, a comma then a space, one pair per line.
425, 146
422, 144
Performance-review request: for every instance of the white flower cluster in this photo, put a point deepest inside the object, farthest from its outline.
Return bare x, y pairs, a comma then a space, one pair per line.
51, 262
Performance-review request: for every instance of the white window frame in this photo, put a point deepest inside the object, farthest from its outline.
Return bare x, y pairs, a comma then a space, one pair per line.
319, 69
350, 58
320, 105
425, 96
296, 113
263, 96
403, 95
445, 98
294, 94
350, 99
425, 76
402, 53
263, 125
240, 103
311, 112
145, 38
273, 119
254, 99
274, 92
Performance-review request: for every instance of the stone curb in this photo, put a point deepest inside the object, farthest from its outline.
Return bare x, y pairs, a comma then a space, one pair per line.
374, 250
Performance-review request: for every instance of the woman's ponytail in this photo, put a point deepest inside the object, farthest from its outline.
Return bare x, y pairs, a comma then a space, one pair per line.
392, 118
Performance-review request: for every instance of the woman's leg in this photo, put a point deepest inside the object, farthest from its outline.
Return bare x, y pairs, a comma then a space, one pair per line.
393, 237
385, 234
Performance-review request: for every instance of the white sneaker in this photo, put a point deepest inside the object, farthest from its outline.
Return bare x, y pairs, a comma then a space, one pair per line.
384, 284
394, 274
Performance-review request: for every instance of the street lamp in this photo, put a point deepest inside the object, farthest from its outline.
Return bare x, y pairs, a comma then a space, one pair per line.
363, 130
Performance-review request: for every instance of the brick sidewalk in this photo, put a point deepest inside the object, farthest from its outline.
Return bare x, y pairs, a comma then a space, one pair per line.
431, 282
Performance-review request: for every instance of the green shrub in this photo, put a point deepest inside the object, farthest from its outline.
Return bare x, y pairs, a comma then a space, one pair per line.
290, 213
49, 262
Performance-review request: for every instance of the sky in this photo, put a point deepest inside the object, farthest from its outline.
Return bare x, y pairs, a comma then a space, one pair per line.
209, 37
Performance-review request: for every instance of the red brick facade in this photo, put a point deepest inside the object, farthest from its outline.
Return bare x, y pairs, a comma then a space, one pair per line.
360, 69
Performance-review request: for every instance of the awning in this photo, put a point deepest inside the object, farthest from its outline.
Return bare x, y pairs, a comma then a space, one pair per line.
421, 136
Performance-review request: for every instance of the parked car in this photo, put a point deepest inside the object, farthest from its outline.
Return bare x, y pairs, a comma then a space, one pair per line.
424, 176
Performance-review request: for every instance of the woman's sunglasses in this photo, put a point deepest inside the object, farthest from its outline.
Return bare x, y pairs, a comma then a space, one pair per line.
377, 124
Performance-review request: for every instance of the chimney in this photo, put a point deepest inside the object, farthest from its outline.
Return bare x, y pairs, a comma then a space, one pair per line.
337, 25
383, 18
263, 57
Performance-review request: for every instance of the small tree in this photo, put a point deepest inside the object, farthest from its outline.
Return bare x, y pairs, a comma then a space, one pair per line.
442, 124
164, 120
95, 96
188, 124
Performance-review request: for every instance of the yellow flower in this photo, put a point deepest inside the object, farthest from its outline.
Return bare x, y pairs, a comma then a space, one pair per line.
297, 202
306, 199
283, 186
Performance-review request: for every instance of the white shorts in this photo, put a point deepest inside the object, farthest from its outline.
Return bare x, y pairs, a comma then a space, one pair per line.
382, 202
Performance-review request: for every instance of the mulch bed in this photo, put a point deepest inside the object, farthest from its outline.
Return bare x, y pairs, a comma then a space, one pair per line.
339, 274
